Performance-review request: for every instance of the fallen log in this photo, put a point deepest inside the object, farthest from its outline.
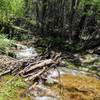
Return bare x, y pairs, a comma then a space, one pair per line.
33, 68
40, 65
5, 72
20, 29
35, 75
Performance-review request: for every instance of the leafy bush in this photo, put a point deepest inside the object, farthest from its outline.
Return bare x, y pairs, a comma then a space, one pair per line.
5, 43
10, 8
11, 90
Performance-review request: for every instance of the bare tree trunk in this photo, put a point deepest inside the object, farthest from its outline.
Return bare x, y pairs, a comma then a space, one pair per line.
43, 21
72, 11
26, 7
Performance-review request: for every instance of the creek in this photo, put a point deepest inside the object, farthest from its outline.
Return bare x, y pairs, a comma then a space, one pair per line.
64, 83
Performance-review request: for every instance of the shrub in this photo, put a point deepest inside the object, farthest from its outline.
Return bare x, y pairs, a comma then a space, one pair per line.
5, 43
10, 8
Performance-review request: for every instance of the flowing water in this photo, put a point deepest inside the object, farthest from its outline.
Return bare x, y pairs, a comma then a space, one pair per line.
61, 84
64, 84
72, 85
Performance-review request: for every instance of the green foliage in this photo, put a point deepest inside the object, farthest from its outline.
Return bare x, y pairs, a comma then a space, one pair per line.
5, 43
10, 8
24, 37
93, 2
69, 64
9, 91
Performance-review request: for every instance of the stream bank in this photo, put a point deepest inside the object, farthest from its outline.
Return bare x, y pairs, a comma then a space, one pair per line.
74, 84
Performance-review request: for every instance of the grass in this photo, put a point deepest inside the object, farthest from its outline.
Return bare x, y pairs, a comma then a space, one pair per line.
5, 43
12, 90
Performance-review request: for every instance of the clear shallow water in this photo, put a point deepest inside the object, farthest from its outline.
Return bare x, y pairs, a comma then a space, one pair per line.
73, 85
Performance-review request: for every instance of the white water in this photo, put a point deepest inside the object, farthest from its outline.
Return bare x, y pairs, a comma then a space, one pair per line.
26, 52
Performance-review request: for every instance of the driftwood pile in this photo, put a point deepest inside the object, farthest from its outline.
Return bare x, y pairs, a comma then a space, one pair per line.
32, 69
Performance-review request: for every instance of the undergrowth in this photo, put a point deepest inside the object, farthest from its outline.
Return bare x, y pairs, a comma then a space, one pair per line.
11, 8
12, 90
5, 43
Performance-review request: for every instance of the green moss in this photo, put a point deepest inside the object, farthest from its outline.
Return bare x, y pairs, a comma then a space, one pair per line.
13, 89
69, 64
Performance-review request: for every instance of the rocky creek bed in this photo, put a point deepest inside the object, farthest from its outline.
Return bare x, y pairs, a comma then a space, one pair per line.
72, 85
62, 83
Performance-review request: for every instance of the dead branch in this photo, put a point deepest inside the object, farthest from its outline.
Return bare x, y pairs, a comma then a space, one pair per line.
36, 75
42, 64
5, 72
34, 68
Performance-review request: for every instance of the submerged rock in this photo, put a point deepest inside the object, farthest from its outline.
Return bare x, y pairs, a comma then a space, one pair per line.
46, 98
73, 85
42, 92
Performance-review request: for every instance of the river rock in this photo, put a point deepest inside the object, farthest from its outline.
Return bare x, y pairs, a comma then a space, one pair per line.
97, 51
88, 58
20, 46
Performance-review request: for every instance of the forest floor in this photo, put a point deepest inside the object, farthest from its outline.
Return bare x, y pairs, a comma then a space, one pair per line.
78, 82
